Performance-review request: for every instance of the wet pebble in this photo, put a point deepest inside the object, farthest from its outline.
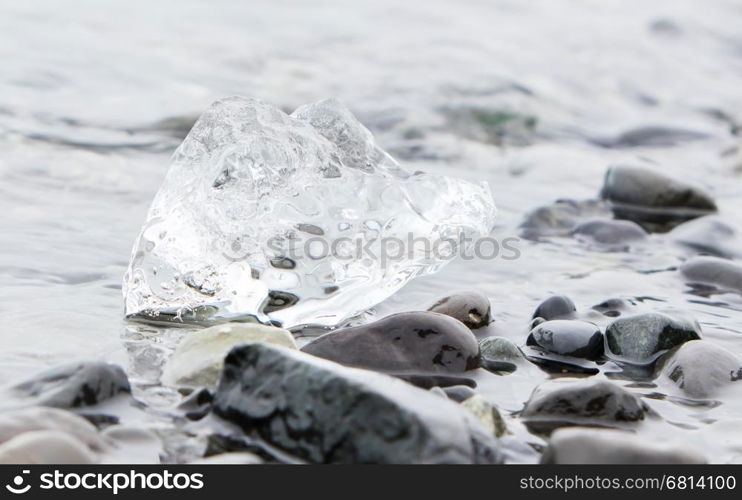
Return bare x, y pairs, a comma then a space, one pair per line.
428, 381
459, 393
560, 218
500, 349
710, 235
566, 402
45, 447
322, 412
577, 445
651, 136
610, 235
556, 307
500, 356
71, 386
642, 338
198, 359
425, 342
611, 307
579, 339
701, 369
558, 364
721, 274
487, 414
471, 308
655, 201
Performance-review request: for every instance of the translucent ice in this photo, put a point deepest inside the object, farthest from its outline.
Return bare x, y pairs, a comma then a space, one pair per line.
296, 219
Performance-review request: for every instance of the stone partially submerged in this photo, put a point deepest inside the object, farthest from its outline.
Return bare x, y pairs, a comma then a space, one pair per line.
322, 412
264, 214
656, 202
199, 358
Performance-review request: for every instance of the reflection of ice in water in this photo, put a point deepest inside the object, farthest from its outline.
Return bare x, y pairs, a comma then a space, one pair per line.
249, 193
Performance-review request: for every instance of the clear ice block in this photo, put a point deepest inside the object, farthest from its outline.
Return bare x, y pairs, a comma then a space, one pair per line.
296, 219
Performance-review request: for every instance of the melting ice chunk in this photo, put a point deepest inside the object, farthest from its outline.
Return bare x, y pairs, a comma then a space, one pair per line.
297, 219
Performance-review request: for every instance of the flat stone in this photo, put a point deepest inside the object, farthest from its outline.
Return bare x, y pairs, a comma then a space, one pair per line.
406, 342
578, 445
565, 402
322, 412
651, 136
198, 359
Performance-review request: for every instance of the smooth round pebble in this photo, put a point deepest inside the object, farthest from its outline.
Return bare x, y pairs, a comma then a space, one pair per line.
701, 369
199, 357
425, 342
555, 307
471, 308
578, 339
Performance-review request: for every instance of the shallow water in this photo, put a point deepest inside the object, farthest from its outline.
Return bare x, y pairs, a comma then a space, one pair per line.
524, 95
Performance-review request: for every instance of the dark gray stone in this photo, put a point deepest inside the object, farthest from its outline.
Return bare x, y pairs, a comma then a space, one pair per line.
651, 136
72, 386
406, 342
701, 369
556, 307
197, 404
656, 202
471, 308
720, 274
642, 338
558, 364
323, 412
611, 307
610, 235
588, 402
427, 381
561, 217
578, 445
459, 393
579, 339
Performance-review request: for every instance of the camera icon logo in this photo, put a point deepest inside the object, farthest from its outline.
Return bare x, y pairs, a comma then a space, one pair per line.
17, 487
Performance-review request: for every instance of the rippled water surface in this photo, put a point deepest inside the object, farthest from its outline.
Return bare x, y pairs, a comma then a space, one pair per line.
532, 97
